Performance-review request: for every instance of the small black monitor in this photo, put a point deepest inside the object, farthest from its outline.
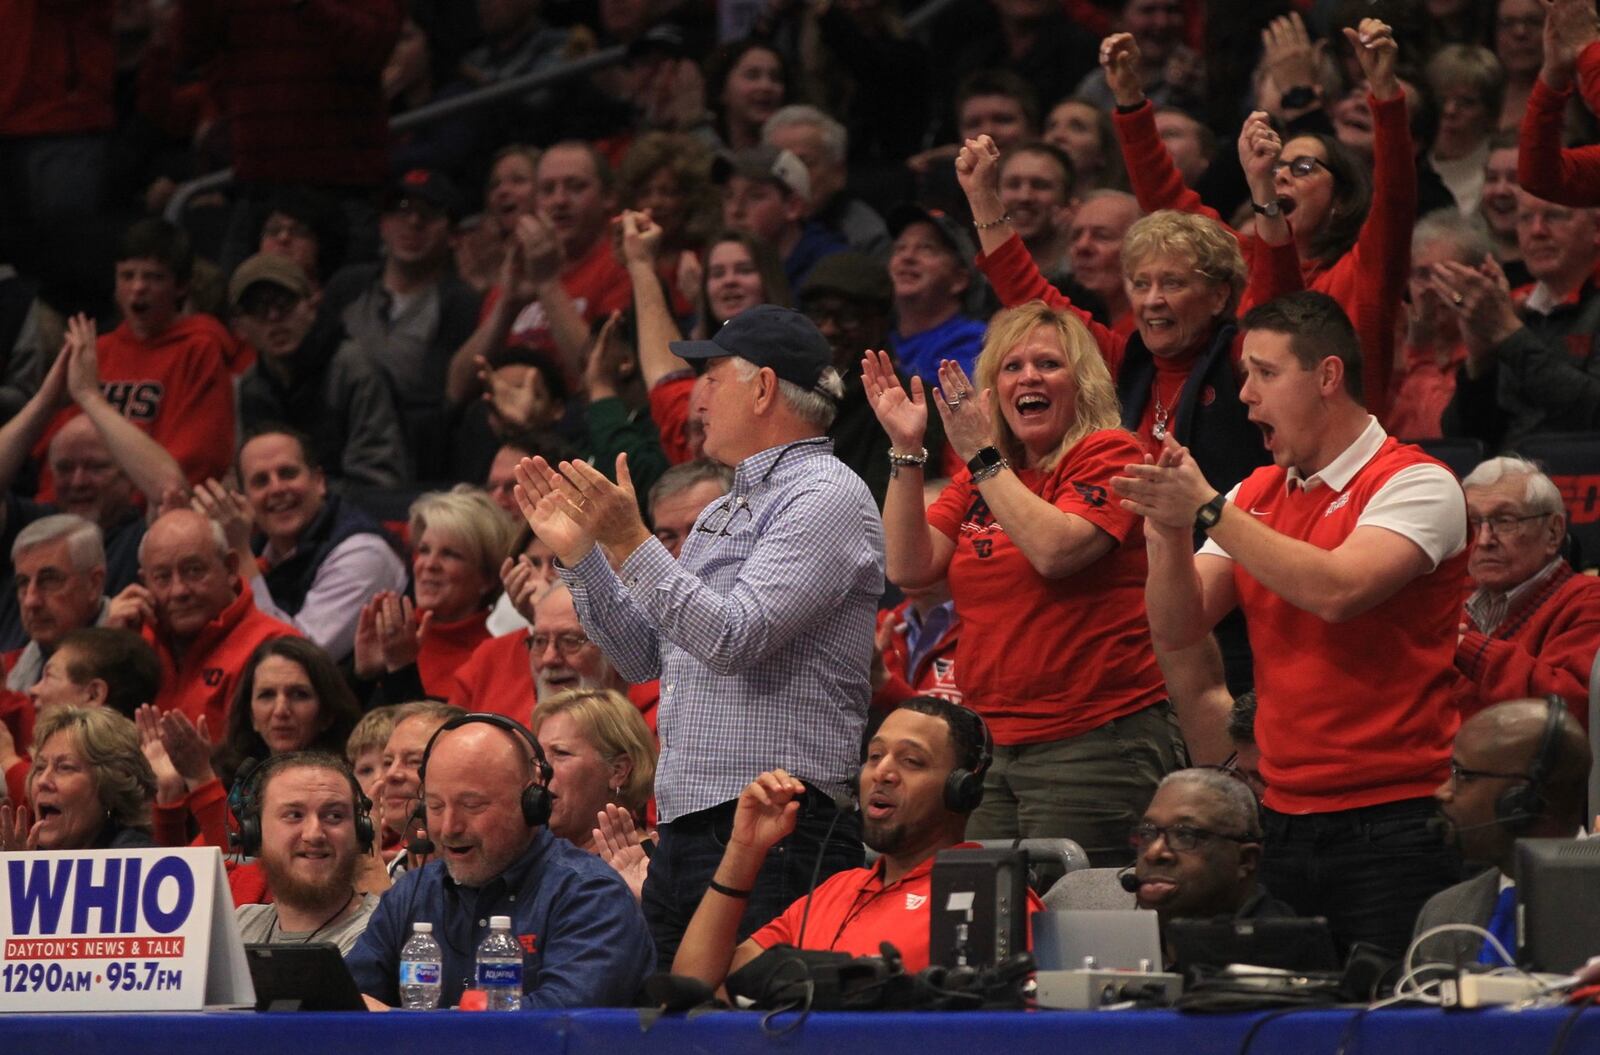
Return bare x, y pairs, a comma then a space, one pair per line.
302, 978
1285, 943
1558, 928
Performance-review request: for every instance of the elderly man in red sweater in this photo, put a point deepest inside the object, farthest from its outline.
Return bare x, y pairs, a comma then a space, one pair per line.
197, 613
1531, 626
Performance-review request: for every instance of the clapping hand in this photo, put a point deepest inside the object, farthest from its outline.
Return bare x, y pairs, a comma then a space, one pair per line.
18, 831
968, 414
389, 634
1167, 491
170, 786
903, 416
621, 846
574, 506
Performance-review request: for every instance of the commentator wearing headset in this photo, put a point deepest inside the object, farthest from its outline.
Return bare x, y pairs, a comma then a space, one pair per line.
922, 776
584, 941
1520, 770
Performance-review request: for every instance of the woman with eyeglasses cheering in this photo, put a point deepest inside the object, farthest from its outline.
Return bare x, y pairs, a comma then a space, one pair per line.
1354, 241
1047, 571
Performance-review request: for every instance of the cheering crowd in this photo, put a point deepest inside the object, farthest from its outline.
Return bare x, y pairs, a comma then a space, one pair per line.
617, 506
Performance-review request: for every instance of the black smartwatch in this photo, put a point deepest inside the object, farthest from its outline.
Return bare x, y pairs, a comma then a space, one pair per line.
986, 458
1299, 97
1207, 516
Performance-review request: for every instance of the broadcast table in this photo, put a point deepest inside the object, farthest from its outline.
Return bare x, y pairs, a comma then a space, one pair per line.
1300, 1032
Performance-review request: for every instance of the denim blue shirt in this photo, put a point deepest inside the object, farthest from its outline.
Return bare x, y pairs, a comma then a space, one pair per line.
584, 939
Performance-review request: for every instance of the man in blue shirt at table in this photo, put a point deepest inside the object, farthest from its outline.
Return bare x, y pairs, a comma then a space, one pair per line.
1519, 770
761, 633
584, 941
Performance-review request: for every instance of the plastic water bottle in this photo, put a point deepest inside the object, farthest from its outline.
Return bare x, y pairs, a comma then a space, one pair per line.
500, 966
421, 967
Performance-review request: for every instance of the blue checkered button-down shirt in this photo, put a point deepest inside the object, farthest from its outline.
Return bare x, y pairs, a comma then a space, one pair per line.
761, 633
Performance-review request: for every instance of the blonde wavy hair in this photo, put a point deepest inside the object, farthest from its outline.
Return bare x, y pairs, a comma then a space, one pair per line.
614, 726
1201, 242
468, 516
123, 779
1096, 406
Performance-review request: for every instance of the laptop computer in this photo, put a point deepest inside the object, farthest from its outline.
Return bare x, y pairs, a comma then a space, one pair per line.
1117, 939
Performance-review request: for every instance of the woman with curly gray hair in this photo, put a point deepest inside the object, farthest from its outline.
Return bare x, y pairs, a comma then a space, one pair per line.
90, 787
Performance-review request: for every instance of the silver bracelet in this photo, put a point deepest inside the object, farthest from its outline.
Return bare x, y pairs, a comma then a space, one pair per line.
988, 472
896, 460
1005, 218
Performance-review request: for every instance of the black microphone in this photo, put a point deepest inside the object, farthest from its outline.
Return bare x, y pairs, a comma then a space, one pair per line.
843, 804
1443, 827
1128, 880
417, 826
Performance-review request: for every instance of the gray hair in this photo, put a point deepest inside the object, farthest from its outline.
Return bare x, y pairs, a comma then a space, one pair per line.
1466, 236
1541, 494
835, 140
682, 477
85, 545
1236, 804
816, 406
219, 538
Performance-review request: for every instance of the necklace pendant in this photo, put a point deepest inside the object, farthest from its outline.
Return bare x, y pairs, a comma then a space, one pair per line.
1159, 431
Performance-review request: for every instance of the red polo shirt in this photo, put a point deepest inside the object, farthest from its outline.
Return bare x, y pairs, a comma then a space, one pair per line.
853, 911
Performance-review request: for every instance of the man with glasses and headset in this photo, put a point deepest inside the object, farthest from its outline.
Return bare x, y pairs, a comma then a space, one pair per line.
1198, 850
1531, 625
761, 632
1519, 770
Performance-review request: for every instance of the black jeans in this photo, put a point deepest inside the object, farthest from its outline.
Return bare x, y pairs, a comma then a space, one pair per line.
691, 848
1367, 870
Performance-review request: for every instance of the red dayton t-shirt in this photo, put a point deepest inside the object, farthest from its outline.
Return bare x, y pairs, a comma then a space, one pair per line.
1045, 659
852, 911
597, 284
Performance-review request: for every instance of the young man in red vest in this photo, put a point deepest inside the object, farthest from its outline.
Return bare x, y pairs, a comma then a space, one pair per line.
1347, 557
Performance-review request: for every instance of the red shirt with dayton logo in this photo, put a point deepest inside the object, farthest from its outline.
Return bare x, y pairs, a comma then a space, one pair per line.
853, 911
1088, 657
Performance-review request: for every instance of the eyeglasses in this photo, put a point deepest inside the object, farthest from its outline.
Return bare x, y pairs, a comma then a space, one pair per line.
268, 304
720, 520
1303, 166
1502, 524
1181, 837
1460, 774
568, 644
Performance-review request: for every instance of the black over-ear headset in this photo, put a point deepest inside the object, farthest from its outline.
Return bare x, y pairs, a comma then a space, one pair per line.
963, 788
245, 800
536, 801
1520, 805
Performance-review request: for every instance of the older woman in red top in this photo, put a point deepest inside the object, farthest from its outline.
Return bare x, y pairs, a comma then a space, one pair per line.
459, 539
1354, 240
1036, 552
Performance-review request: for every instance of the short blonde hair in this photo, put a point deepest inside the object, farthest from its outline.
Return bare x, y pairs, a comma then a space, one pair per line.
371, 732
1470, 66
1096, 407
469, 517
1199, 241
123, 779
614, 726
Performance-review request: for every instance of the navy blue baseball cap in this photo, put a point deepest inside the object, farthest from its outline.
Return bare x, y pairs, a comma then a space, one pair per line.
767, 335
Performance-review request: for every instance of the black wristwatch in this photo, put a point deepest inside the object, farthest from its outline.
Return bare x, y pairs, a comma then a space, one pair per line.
1272, 208
1298, 98
1206, 518
986, 458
